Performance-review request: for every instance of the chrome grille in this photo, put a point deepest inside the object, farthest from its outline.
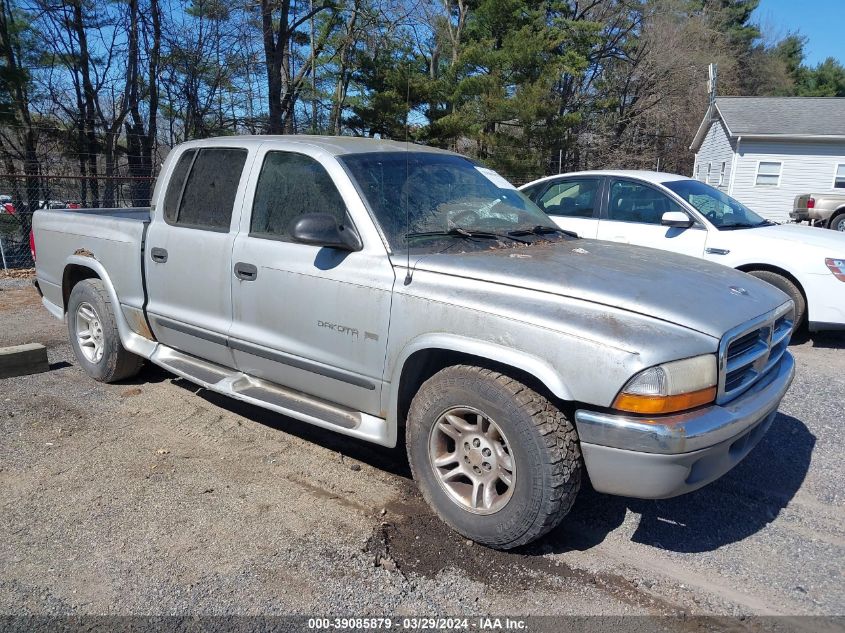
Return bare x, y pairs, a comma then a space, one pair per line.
748, 352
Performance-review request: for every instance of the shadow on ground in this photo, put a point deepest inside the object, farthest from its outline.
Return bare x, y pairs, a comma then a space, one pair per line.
731, 509
824, 340
741, 503
393, 460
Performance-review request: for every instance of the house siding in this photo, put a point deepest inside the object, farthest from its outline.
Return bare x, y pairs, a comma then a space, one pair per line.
806, 167
715, 149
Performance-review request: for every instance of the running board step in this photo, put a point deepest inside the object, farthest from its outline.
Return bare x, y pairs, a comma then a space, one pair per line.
268, 395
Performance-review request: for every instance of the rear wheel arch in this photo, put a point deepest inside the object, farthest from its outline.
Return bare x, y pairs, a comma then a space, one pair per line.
72, 275
836, 215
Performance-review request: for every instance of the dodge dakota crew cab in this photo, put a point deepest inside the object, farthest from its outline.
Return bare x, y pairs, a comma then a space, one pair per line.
385, 290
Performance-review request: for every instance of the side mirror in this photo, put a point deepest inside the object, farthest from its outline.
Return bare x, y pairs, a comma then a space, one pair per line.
321, 229
677, 219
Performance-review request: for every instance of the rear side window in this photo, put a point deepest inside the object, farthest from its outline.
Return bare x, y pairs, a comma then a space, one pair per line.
572, 198
635, 202
289, 186
209, 192
177, 182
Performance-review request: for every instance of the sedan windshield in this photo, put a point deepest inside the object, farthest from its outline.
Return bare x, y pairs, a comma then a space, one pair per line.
425, 200
724, 212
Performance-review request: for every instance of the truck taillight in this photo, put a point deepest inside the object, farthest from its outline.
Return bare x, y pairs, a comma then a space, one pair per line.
811, 203
32, 245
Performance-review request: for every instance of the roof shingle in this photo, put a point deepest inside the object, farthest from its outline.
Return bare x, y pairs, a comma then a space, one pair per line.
786, 116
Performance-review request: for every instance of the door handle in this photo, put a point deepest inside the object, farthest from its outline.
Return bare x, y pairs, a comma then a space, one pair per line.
158, 255
245, 271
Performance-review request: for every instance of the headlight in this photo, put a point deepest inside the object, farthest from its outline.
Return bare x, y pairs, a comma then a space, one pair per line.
837, 267
670, 387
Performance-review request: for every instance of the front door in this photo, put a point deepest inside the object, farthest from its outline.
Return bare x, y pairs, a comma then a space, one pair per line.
312, 319
633, 216
188, 254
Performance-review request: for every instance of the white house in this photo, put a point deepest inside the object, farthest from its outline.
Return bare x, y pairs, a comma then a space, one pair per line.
764, 151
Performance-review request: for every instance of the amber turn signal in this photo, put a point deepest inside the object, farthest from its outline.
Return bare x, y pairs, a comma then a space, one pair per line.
651, 404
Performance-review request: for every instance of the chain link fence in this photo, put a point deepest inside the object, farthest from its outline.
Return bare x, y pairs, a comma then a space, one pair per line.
21, 196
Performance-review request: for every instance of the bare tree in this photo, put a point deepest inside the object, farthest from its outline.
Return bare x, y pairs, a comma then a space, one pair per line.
279, 26
16, 83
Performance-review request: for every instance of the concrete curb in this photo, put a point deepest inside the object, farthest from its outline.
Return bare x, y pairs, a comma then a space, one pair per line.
20, 360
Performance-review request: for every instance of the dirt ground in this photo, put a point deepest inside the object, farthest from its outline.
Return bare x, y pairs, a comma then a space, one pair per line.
157, 497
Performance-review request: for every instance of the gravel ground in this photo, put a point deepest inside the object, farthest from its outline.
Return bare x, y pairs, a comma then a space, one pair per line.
156, 497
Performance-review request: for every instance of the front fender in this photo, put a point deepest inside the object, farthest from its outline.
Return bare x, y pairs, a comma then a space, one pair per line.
532, 365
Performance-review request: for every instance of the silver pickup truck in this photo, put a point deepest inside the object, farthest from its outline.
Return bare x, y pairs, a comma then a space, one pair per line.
385, 290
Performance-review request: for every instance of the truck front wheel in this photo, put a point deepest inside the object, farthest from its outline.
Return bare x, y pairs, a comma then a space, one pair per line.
92, 331
496, 460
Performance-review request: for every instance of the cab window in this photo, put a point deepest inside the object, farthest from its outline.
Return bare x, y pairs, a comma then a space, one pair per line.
289, 186
208, 195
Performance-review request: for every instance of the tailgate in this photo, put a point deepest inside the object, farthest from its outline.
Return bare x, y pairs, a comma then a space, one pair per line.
801, 202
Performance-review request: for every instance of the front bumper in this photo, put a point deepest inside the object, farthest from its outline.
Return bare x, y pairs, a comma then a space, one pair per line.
666, 456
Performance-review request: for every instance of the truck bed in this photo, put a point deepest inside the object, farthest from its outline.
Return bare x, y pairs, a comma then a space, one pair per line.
131, 213
113, 238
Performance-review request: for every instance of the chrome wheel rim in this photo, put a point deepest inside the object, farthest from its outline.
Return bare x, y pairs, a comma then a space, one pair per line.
89, 332
472, 460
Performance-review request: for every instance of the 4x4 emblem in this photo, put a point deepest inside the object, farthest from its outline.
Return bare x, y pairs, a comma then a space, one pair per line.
738, 291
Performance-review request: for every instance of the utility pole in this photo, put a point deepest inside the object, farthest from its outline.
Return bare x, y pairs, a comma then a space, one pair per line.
313, 75
712, 81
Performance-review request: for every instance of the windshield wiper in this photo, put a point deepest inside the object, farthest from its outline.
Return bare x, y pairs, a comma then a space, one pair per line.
466, 234
542, 230
737, 225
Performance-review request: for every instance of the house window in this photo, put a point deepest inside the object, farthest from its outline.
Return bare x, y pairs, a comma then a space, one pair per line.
768, 174
839, 177
708, 173
697, 171
722, 174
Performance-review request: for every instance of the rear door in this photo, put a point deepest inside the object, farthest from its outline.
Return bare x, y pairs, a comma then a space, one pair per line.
573, 203
310, 318
189, 250
633, 215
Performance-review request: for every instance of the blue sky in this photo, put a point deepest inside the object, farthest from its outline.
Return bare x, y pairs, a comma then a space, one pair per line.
821, 21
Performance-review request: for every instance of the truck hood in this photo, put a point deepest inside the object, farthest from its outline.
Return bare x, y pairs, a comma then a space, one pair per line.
700, 295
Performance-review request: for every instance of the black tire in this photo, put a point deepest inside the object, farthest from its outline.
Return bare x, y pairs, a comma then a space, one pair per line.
542, 442
837, 222
116, 362
788, 286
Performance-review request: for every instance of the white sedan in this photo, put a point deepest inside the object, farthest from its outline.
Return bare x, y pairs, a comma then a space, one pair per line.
680, 214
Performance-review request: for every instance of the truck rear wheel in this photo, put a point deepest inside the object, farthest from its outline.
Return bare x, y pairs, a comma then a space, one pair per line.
496, 460
93, 334
837, 222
